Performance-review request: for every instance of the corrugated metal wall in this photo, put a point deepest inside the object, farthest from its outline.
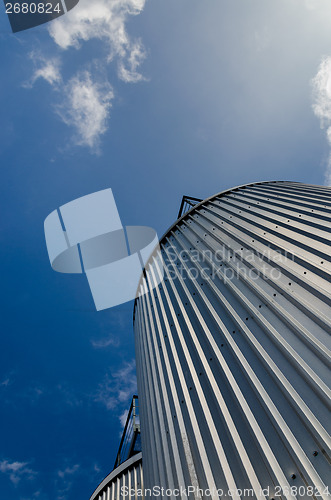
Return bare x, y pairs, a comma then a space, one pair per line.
128, 475
232, 348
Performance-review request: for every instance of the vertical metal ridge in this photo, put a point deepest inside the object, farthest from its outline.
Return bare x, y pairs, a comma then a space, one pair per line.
246, 330
318, 317
233, 346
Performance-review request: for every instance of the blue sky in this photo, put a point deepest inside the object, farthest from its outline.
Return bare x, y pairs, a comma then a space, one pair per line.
154, 99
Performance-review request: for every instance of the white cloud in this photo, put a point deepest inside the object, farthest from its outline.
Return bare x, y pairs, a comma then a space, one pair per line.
322, 104
85, 103
8, 380
65, 478
86, 108
128, 70
5, 382
103, 343
118, 387
96, 468
17, 470
68, 471
103, 20
46, 69
124, 417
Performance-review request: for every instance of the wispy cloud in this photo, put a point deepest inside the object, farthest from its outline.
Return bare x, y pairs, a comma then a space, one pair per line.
104, 343
36, 495
70, 397
322, 104
86, 107
103, 20
65, 479
86, 101
7, 380
17, 471
68, 471
46, 69
128, 69
118, 387
123, 418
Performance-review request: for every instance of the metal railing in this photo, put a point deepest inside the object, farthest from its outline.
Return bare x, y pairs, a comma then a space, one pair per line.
130, 443
187, 203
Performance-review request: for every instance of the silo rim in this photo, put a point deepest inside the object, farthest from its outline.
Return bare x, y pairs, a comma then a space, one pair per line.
198, 205
115, 472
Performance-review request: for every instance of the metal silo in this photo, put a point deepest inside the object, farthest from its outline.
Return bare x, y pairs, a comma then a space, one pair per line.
126, 479
232, 347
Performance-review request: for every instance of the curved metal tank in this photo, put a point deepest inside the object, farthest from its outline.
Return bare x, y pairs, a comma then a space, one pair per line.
126, 481
232, 347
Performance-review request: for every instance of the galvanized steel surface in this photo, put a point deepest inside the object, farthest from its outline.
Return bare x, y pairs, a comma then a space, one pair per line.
127, 475
233, 346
